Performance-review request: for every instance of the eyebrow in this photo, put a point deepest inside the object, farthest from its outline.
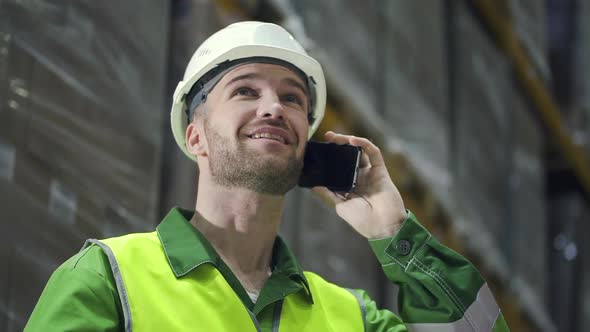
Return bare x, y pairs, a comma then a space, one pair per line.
249, 76
252, 76
296, 84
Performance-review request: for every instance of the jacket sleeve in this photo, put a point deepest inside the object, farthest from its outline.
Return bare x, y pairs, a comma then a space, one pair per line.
439, 290
80, 296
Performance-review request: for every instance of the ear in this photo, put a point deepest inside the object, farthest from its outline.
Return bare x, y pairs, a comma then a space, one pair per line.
195, 140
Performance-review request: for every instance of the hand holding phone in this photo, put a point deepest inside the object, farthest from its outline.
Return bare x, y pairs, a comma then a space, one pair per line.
375, 208
330, 165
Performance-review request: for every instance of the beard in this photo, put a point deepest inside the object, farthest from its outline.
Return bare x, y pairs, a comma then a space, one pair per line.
238, 166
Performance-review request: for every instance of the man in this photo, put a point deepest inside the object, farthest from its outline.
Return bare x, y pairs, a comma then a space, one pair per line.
250, 99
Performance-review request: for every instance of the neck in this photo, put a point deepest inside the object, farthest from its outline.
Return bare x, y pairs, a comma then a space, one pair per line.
240, 224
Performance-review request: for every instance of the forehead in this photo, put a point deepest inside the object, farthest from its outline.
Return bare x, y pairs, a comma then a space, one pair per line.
262, 71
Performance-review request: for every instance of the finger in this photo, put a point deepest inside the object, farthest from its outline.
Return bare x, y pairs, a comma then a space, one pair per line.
370, 149
333, 137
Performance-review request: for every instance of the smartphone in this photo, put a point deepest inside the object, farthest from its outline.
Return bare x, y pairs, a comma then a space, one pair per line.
330, 165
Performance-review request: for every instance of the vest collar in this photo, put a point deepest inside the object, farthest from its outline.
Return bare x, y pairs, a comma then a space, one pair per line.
186, 249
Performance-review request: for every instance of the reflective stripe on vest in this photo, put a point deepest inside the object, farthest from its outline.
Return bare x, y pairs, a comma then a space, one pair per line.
153, 299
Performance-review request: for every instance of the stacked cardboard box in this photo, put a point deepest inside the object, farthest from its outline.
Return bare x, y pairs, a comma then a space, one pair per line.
192, 21
529, 248
500, 158
82, 90
481, 138
416, 88
583, 256
568, 293
527, 205
389, 64
581, 132
529, 19
579, 117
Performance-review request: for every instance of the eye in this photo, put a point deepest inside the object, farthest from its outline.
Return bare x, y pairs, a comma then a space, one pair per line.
244, 91
293, 99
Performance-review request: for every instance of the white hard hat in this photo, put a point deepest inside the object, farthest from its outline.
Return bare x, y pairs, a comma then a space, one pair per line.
246, 40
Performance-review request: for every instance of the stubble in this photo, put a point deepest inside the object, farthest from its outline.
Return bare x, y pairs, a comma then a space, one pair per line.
235, 165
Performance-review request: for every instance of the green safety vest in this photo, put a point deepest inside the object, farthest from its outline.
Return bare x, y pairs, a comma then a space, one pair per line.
154, 299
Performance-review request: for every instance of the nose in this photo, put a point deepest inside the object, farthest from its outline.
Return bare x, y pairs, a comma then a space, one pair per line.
271, 107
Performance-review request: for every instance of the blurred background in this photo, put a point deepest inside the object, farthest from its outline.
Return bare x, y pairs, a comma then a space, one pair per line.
481, 107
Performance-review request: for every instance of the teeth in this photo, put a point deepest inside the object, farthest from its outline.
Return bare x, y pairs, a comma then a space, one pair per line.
270, 136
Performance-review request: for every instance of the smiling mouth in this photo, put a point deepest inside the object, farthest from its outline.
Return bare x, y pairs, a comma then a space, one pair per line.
269, 136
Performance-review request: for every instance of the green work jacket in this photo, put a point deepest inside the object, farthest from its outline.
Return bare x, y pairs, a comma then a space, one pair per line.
439, 290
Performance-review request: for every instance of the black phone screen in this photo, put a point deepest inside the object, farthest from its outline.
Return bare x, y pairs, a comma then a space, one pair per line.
330, 165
